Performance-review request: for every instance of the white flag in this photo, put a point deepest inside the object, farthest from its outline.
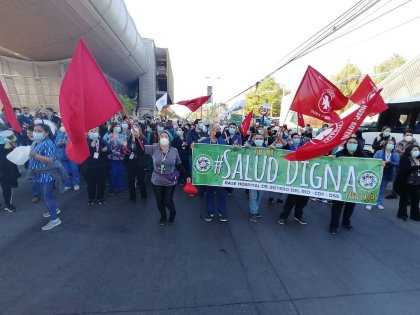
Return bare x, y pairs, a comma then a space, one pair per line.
162, 101
237, 106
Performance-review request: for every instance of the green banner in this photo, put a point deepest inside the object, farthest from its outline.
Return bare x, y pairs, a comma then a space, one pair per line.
347, 179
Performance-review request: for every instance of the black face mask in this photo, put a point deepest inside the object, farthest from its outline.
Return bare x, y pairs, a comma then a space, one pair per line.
218, 134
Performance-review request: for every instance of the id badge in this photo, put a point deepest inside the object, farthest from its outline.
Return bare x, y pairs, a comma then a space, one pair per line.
131, 156
96, 155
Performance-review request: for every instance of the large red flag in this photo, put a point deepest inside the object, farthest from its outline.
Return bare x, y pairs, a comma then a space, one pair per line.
317, 97
9, 113
364, 92
245, 124
336, 134
86, 101
195, 103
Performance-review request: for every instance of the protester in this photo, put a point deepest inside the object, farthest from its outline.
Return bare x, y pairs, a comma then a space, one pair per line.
95, 167
43, 153
9, 174
407, 183
116, 157
279, 143
379, 142
49, 114
351, 149
166, 167
180, 143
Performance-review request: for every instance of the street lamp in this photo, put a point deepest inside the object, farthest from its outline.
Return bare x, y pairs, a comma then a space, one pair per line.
210, 85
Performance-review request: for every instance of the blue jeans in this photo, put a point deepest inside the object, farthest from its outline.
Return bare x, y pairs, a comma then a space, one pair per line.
47, 195
216, 194
384, 183
255, 197
116, 178
35, 189
73, 169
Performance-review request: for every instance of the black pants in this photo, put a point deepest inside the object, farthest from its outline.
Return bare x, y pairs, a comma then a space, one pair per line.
95, 179
411, 192
7, 194
336, 208
132, 174
296, 201
164, 198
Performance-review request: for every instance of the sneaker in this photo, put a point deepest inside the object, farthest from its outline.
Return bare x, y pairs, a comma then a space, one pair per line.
332, 231
91, 202
51, 224
222, 218
368, 207
271, 201
252, 218
101, 202
348, 227
391, 197
300, 220
279, 201
11, 208
381, 207
229, 193
326, 201
313, 199
209, 217
281, 221
35, 199
162, 221
403, 218
47, 214
76, 187
67, 188
258, 215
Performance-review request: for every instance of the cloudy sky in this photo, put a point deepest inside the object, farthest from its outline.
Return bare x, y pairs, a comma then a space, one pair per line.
241, 41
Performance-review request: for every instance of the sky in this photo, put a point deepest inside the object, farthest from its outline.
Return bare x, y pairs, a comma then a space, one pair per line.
238, 42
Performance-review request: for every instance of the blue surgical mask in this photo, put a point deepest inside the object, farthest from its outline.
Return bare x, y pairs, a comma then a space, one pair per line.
259, 143
389, 147
232, 131
160, 128
351, 147
279, 146
296, 141
179, 132
93, 135
387, 133
415, 154
38, 136
117, 129
201, 126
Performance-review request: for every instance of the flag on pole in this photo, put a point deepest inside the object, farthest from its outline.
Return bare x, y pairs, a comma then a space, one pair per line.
9, 113
162, 101
317, 97
237, 106
195, 103
246, 124
364, 92
86, 101
301, 122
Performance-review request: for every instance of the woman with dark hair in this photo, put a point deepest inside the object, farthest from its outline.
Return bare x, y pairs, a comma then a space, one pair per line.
43, 153
407, 184
351, 149
9, 173
166, 163
136, 163
379, 142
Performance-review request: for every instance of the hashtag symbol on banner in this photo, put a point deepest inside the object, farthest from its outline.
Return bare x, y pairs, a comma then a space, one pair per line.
218, 165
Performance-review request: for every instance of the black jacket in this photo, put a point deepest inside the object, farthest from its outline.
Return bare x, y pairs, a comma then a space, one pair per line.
138, 157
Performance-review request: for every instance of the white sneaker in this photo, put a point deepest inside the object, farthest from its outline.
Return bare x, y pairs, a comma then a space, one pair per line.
67, 188
47, 214
51, 224
368, 207
381, 207
76, 187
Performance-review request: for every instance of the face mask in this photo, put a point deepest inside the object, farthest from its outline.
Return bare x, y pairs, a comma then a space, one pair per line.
38, 136
164, 142
232, 131
141, 121
37, 121
148, 129
351, 147
93, 135
201, 126
124, 126
408, 138
62, 129
218, 134
389, 147
340, 148
117, 129
17, 114
260, 132
160, 128
296, 141
387, 133
259, 143
279, 146
415, 154
179, 133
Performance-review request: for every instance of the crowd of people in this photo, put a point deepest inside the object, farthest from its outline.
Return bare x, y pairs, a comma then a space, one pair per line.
124, 152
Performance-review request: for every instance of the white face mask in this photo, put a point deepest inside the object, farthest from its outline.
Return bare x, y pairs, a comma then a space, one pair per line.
124, 126
415, 154
408, 138
164, 142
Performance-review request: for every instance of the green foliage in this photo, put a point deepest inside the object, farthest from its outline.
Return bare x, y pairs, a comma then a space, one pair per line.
385, 68
347, 80
129, 104
268, 91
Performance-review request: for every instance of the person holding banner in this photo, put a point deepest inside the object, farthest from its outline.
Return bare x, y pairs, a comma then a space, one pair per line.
215, 196
166, 163
351, 149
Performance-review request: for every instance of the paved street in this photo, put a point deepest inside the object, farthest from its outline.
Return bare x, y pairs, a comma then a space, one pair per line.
116, 259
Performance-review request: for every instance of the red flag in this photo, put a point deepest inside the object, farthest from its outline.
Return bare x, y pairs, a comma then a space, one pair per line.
317, 97
245, 124
336, 134
86, 101
364, 92
9, 113
195, 103
301, 122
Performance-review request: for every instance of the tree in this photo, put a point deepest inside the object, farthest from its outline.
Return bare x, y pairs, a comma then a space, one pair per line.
268, 91
347, 80
129, 104
384, 69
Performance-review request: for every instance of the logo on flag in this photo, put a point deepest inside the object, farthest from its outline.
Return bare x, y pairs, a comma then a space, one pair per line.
203, 163
324, 103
